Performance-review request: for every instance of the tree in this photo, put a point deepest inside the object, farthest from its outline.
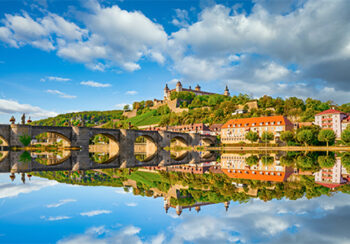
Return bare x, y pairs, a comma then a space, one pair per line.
345, 160
267, 136
252, 136
25, 140
252, 160
287, 160
126, 107
304, 162
327, 135
345, 135
267, 160
287, 136
326, 161
305, 136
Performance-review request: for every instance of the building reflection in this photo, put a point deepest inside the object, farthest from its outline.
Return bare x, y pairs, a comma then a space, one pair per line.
236, 166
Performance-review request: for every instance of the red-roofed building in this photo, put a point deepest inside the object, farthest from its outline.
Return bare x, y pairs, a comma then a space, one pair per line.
234, 130
331, 119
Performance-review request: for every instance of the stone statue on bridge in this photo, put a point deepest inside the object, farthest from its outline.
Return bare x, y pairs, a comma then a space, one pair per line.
23, 119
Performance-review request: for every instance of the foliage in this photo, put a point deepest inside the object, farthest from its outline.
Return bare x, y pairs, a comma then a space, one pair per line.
287, 161
25, 157
267, 160
287, 136
326, 161
1, 141
345, 135
183, 95
90, 118
252, 136
252, 160
267, 136
327, 135
345, 160
25, 139
310, 137
305, 136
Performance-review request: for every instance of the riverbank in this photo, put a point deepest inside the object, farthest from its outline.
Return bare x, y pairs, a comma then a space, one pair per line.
282, 148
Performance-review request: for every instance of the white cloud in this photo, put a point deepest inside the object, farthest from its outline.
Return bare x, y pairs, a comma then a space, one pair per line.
131, 204
13, 190
55, 78
60, 94
56, 218
124, 236
268, 42
121, 106
11, 107
121, 191
95, 212
181, 19
60, 203
131, 92
94, 84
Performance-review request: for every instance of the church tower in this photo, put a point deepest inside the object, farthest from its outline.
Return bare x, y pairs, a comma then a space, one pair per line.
227, 92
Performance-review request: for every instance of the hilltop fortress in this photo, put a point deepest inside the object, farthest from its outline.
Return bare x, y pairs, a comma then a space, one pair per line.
174, 104
197, 90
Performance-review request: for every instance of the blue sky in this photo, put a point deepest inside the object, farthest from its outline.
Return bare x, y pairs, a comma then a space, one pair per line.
62, 56
44, 211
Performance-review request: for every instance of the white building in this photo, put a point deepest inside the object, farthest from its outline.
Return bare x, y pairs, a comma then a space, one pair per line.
331, 177
331, 119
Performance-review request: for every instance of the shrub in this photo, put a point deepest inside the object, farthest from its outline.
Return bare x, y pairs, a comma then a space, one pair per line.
25, 140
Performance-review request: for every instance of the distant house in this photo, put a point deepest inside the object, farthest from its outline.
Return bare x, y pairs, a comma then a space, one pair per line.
239, 111
215, 129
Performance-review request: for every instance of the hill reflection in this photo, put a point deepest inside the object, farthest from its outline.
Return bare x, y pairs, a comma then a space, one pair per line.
233, 177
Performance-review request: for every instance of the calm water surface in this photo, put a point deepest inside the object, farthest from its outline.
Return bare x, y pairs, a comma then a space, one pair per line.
94, 207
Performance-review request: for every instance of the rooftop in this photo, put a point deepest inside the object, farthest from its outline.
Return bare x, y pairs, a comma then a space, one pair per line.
248, 122
330, 111
248, 174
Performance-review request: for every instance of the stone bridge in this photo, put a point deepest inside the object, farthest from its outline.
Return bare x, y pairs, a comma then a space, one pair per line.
121, 142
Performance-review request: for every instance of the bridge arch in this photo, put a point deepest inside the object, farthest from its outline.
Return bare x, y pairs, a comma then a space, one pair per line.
207, 141
51, 158
53, 134
103, 147
3, 142
145, 148
3, 155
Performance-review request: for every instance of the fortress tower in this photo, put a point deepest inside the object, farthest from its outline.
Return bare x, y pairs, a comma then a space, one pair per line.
227, 92
166, 91
178, 86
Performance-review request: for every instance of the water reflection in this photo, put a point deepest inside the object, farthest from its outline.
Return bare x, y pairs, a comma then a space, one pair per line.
235, 177
236, 193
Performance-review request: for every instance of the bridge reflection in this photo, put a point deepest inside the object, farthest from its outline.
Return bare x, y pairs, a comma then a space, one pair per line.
101, 156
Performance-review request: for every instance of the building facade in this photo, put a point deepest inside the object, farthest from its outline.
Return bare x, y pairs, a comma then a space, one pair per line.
331, 119
234, 130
